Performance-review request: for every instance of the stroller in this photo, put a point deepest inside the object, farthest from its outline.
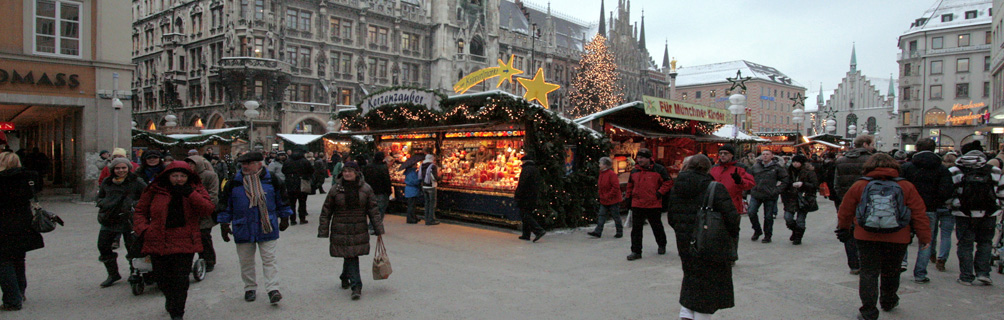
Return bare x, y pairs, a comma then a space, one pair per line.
141, 268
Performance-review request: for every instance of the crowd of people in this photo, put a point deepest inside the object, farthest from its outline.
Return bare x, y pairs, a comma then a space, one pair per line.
166, 209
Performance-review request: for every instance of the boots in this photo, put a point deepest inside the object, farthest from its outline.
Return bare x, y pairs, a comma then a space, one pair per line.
796, 237
113, 273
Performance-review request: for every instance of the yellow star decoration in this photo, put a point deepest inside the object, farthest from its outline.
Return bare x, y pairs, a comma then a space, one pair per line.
506, 71
537, 88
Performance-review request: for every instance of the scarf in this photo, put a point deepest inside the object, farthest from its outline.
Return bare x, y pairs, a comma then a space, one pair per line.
351, 193
176, 208
256, 197
117, 180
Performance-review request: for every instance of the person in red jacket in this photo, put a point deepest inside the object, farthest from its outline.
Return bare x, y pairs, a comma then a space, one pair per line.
881, 253
166, 219
649, 183
735, 178
610, 199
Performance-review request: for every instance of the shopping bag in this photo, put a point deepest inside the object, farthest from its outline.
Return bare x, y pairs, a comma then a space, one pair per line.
824, 190
381, 264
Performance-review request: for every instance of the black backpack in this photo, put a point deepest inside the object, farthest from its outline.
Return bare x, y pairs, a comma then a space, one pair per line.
979, 191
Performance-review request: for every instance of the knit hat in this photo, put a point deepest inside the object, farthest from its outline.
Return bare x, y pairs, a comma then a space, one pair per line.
801, 158
351, 164
102, 152
151, 154
118, 152
975, 145
251, 157
728, 148
193, 152
118, 161
646, 153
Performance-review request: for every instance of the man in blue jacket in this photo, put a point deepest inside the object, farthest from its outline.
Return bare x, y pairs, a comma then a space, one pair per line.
255, 207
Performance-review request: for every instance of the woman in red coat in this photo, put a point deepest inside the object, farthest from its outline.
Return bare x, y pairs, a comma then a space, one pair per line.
167, 221
610, 199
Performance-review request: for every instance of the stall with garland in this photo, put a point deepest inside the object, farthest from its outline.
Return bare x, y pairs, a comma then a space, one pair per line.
219, 141
325, 144
479, 140
672, 130
781, 142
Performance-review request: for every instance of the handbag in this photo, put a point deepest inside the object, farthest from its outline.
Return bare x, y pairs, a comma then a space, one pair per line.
710, 240
807, 202
381, 264
42, 221
305, 186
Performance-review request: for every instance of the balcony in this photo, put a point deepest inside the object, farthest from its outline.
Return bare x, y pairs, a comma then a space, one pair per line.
471, 57
237, 63
174, 39
307, 107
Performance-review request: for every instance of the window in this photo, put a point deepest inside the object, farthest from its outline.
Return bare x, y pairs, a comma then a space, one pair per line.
989, 38
936, 67
964, 40
913, 46
384, 32
372, 34
936, 91
962, 65
986, 89
305, 21
259, 46
346, 29
57, 27
937, 42
346, 63
372, 67
305, 57
712, 93
291, 56
946, 17
906, 118
962, 90
335, 25
906, 93
971, 14
346, 97
906, 69
259, 9
383, 69
305, 93
291, 19
935, 117
697, 95
986, 63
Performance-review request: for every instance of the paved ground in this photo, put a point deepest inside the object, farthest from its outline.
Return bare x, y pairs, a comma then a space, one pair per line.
455, 271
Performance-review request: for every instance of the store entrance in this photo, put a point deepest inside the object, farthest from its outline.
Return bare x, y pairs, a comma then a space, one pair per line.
47, 140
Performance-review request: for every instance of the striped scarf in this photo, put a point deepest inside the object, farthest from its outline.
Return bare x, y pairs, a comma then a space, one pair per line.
256, 197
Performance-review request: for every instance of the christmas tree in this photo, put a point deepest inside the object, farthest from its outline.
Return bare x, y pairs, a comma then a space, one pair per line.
596, 82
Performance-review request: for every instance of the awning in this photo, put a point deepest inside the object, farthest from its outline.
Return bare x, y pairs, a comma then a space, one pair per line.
726, 132
831, 145
300, 139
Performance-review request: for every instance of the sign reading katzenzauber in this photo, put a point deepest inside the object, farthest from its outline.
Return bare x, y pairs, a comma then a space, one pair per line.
401, 96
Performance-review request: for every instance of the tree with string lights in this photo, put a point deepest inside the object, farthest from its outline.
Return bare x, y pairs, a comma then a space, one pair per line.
596, 82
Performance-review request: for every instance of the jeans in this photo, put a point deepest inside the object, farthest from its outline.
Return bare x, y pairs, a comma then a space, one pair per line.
850, 247
430, 204
208, 252
411, 210
350, 272
245, 252
105, 240
382, 200
13, 281
924, 255
879, 258
529, 222
172, 278
769, 212
981, 232
638, 222
945, 222
301, 198
612, 211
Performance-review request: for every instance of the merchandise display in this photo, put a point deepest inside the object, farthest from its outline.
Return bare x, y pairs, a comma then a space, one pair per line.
400, 150
492, 165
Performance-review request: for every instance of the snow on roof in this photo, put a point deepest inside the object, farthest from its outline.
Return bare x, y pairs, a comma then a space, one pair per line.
717, 72
299, 139
218, 131
599, 114
952, 14
568, 30
727, 130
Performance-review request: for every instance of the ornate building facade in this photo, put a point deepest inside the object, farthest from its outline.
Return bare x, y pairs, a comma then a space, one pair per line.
858, 102
302, 59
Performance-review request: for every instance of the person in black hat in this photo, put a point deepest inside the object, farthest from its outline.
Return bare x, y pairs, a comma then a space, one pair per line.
152, 166
298, 173
649, 184
526, 198
799, 191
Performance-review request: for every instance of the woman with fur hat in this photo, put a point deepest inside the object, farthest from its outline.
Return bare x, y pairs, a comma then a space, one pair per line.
116, 199
804, 185
343, 220
167, 221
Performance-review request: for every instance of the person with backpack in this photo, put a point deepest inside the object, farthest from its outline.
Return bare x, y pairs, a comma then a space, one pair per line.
975, 205
430, 177
998, 160
799, 196
883, 210
770, 177
846, 171
934, 183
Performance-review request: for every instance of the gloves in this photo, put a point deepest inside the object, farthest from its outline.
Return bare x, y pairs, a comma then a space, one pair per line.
225, 232
843, 234
735, 177
797, 184
283, 224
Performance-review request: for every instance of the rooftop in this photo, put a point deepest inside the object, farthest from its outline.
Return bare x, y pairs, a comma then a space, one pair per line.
946, 14
717, 72
568, 31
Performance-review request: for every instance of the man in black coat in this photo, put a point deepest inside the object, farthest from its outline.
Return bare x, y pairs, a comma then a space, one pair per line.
378, 177
526, 198
298, 171
847, 170
934, 183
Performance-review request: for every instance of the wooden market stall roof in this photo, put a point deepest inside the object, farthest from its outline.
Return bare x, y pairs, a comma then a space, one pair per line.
205, 136
631, 117
831, 145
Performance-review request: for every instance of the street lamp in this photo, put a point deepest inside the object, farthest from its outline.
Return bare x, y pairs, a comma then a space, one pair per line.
117, 105
831, 126
170, 120
737, 109
251, 113
796, 116
331, 125
852, 130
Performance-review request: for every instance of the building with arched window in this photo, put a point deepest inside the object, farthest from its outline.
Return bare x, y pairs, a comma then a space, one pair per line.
858, 102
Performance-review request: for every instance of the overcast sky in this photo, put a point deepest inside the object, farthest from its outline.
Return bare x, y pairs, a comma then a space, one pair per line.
809, 41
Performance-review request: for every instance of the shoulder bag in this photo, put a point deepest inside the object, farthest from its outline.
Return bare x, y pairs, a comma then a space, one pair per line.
710, 240
42, 221
381, 264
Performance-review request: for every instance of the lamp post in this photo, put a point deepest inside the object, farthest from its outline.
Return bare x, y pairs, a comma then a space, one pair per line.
533, 46
852, 130
331, 125
831, 126
796, 117
117, 105
737, 109
251, 113
170, 120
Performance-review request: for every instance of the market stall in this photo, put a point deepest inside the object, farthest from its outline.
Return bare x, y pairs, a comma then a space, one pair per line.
672, 130
781, 142
479, 140
217, 141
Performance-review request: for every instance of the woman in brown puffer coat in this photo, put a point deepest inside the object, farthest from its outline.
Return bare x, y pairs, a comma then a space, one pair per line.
343, 221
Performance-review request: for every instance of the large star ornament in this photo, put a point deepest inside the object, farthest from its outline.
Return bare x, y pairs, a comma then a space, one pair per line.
506, 71
798, 100
738, 81
537, 89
